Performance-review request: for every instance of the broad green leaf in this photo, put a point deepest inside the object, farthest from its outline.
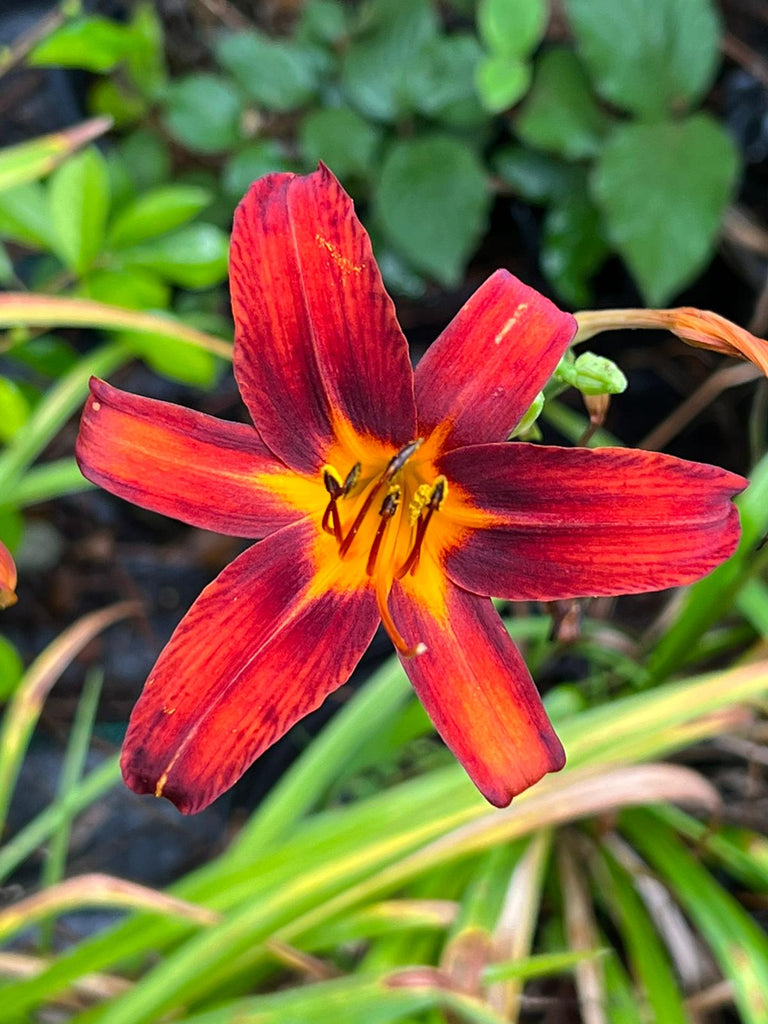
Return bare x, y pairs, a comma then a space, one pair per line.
322, 21
275, 74
11, 668
14, 408
24, 215
560, 114
512, 28
442, 80
146, 158
45, 354
252, 162
110, 98
93, 43
573, 246
194, 257
648, 56
376, 65
203, 113
662, 189
501, 81
341, 138
432, 203
146, 56
156, 212
173, 358
535, 176
134, 289
78, 199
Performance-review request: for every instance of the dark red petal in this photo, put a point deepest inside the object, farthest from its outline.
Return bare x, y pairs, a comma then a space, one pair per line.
203, 471
478, 692
571, 522
484, 371
316, 337
259, 649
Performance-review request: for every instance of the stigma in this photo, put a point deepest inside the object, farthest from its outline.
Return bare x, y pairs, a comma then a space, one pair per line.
381, 518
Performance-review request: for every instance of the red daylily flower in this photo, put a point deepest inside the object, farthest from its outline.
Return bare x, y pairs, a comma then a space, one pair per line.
7, 578
383, 495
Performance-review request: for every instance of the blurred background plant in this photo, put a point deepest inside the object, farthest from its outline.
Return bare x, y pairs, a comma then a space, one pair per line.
604, 152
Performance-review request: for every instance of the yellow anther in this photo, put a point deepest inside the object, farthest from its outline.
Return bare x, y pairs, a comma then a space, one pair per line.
418, 503
329, 473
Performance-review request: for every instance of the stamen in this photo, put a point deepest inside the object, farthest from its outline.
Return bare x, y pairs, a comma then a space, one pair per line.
352, 533
436, 499
397, 462
335, 489
382, 593
387, 510
351, 479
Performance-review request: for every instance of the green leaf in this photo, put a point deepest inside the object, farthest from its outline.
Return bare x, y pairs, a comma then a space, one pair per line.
156, 212
146, 158
512, 28
203, 113
501, 81
173, 358
573, 246
11, 668
535, 176
662, 189
560, 114
341, 138
648, 56
92, 43
194, 257
112, 99
14, 408
432, 202
24, 215
133, 289
442, 80
274, 74
376, 66
322, 21
252, 162
78, 198
146, 56
28, 161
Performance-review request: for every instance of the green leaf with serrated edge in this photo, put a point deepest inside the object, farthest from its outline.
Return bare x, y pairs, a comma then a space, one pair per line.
24, 215
78, 202
341, 138
738, 943
560, 114
501, 82
194, 257
648, 56
203, 113
573, 246
157, 212
375, 66
432, 203
91, 43
512, 28
662, 189
275, 74
252, 162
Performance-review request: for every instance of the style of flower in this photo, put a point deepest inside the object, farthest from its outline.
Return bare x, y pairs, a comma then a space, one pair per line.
382, 495
7, 578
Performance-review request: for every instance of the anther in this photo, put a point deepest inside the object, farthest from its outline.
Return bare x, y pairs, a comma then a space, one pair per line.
436, 499
331, 522
351, 479
397, 462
